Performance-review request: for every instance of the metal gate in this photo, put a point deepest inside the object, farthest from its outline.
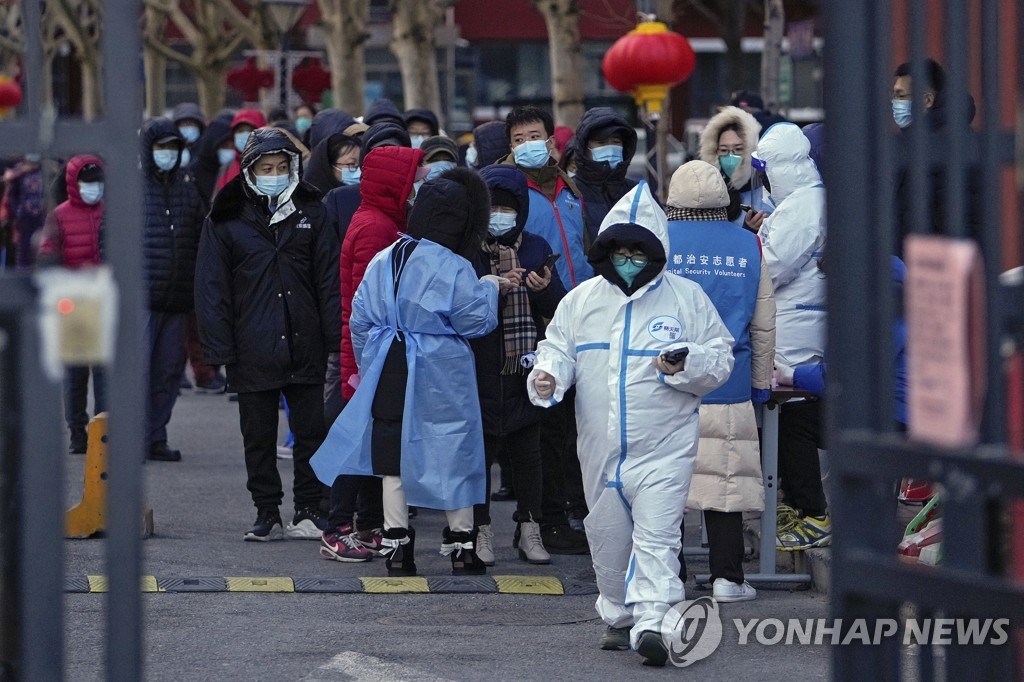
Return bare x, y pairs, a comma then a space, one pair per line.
979, 44
31, 456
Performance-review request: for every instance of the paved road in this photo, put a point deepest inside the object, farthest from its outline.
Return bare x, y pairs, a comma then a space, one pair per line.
201, 511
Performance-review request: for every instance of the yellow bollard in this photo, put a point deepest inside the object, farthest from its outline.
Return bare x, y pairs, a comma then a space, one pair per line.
89, 517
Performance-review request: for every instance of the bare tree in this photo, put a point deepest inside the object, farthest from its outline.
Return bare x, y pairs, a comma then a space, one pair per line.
154, 64
79, 22
729, 18
774, 27
345, 23
12, 38
413, 42
214, 31
562, 18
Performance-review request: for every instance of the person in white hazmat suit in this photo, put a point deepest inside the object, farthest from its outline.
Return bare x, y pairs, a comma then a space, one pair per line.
637, 412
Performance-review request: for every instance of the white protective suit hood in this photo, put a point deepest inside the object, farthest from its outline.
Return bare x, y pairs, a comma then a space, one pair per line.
636, 218
786, 152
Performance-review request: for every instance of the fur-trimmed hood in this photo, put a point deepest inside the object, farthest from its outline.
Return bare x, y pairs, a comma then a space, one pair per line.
749, 131
454, 211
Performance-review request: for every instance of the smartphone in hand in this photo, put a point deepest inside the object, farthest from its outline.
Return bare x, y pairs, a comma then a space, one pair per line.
674, 357
548, 263
746, 208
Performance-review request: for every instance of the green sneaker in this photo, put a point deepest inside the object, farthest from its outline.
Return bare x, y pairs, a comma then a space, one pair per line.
615, 639
810, 531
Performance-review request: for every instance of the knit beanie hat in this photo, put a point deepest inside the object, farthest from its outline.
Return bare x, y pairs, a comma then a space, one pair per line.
697, 184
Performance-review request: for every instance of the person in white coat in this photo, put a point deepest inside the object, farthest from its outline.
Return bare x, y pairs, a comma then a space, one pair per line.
793, 240
637, 411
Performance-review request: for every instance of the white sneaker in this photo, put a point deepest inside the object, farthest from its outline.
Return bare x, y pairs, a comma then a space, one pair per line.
284, 452
485, 544
727, 591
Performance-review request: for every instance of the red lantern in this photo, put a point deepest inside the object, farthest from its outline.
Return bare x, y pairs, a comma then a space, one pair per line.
250, 79
10, 94
647, 61
310, 80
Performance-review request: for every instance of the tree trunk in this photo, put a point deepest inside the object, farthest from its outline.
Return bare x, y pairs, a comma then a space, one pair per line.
562, 18
155, 68
733, 21
774, 25
345, 23
413, 44
92, 85
210, 81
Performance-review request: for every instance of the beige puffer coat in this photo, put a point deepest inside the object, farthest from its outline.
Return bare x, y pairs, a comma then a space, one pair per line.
749, 130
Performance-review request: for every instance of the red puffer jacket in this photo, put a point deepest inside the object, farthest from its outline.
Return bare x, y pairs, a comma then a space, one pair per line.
71, 235
388, 175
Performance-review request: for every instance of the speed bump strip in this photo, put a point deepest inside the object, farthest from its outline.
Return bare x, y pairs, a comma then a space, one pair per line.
98, 583
332, 585
469, 583
76, 583
201, 584
394, 585
528, 584
260, 585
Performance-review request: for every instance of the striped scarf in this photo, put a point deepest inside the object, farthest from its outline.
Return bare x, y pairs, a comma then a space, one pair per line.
518, 328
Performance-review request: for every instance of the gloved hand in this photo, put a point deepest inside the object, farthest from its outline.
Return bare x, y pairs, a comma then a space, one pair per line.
544, 384
504, 285
783, 374
760, 396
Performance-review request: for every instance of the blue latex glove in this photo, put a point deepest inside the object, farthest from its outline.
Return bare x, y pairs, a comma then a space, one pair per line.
759, 396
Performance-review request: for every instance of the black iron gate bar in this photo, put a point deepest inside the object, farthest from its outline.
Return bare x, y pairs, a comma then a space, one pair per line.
113, 137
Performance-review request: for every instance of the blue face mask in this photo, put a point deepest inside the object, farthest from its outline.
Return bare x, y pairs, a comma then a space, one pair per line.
225, 156
501, 223
190, 133
609, 153
417, 140
628, 271
439, 167
901, 112
303, 124
240, 140
729, 163
91, 192
186, 157
271, 185
471, 156
531, 154
351, 176
165, 159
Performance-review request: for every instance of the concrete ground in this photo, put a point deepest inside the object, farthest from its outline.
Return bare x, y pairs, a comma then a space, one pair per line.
201, 510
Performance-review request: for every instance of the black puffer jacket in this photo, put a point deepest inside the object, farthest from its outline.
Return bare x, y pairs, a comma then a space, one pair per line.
601, 185
491, 142
504, 403
267, 296
174, 217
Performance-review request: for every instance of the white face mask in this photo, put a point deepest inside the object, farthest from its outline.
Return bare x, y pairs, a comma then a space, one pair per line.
91, 192
501, 223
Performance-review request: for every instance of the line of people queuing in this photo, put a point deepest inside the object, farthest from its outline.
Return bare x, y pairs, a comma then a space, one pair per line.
426, 310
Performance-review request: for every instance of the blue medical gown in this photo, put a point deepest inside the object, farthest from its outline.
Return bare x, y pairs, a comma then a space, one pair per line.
440, 304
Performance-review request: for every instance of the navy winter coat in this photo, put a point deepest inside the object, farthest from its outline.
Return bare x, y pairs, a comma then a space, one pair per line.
267, 298
504, 403
601, 185
174, 217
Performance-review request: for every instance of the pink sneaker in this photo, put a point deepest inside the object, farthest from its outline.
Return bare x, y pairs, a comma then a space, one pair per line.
340, 544
371, 539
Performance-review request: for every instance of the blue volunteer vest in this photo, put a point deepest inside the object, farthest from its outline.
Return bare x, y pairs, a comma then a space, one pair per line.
560, 222
725, 260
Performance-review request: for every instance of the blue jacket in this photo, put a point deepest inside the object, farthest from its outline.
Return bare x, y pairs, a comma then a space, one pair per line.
726, 261
440, 304
341, 204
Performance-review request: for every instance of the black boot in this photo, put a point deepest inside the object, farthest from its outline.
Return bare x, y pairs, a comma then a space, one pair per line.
399, 545
461, 547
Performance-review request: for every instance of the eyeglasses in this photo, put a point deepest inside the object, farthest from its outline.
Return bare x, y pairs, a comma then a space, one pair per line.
737, 149
638, 260
350, 166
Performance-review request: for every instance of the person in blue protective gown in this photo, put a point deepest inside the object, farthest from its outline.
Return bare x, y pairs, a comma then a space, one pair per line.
637, 410
415, 416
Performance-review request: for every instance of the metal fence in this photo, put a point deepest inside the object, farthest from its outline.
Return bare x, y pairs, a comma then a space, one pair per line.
867, 456
31, 605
